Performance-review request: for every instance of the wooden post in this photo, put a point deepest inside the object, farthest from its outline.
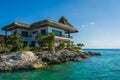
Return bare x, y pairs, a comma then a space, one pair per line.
68, 34
15, 31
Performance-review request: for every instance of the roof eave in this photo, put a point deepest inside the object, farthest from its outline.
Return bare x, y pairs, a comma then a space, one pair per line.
13, 25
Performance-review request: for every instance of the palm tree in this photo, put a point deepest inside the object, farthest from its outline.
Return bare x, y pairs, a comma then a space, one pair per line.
80, 45
40, 40
16, 42
62, 45
47, 41
68, 44
51, 41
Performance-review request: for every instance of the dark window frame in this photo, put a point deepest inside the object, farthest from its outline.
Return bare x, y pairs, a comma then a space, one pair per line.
34, 32
24, 34
43, 31
57, 33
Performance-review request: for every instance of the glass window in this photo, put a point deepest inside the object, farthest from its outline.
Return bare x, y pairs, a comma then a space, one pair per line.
24, 34
34, 32
43, 32
57, 33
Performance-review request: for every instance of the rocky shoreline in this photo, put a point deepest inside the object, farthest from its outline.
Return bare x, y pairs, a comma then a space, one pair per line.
27, 59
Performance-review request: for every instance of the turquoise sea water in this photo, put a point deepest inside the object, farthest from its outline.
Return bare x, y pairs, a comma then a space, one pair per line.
105, 67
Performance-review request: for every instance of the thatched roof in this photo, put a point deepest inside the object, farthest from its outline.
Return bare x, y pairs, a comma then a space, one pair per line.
2, 36
16, 25
62, 24
63, 20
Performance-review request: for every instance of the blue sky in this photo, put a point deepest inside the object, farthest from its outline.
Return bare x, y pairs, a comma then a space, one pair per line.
98, 21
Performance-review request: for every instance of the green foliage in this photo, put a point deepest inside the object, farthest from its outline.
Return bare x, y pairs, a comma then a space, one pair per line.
26, 48
46, 41
2, 42
40, 40
61, 46
3, 47
68, 44
80, 45
37, 50
77, 46
51, 41
16, 42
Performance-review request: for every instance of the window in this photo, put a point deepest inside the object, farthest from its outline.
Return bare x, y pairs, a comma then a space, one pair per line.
43, 32
57, 33
34, 32
24, 34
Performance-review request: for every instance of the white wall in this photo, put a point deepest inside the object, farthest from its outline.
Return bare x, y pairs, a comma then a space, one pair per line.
32, 38
38, 30
19, 31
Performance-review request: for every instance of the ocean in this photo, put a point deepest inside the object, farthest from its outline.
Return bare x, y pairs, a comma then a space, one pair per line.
104, 67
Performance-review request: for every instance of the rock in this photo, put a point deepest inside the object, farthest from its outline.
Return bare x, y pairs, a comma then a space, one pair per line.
81, 51
25, 55
39, 64
4, 57
94, 53
51, 58
27, 59
82, 55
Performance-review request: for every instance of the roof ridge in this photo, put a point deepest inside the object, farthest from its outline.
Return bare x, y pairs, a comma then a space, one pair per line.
20, 23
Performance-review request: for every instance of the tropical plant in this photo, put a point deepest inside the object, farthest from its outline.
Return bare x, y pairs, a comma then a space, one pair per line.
40, 40
51, 41
16, 42
2, 42
46, 41
62, 45
68, 44
26, 48
80, 45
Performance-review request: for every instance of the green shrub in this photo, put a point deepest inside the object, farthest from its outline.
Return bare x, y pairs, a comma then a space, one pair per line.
80, 45
61, 46
68, 44
3, 50
37, 50
46, 41
16, 42
26, 48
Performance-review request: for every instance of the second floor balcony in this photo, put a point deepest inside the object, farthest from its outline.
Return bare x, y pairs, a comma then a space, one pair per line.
65, 36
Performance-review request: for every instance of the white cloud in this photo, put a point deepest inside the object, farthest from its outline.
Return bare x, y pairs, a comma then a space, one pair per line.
83, 26
92, 23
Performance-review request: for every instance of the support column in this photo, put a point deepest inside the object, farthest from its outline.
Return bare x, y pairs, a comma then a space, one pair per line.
68, 34
15, 31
